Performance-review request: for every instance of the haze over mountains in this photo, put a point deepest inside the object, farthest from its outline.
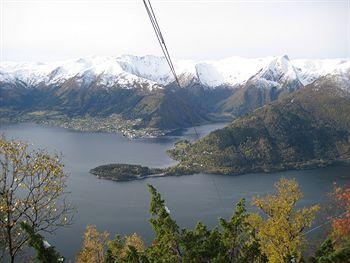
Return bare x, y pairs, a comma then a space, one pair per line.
144, 88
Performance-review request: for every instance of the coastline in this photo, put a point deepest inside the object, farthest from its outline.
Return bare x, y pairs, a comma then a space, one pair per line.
182, 171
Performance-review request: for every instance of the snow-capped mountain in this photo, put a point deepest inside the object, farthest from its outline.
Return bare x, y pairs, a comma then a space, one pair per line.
232, 71
310, 70
338, 78
279, 73
143, 87
126, 70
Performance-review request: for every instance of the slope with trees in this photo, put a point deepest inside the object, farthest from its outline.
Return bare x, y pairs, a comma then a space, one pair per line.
306, 129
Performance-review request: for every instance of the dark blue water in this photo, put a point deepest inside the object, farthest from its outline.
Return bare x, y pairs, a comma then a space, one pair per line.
123, 207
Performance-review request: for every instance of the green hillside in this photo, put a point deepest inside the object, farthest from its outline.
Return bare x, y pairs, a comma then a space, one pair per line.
306, 129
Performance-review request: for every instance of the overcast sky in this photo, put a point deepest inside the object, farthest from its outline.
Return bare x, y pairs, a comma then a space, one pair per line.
54, 30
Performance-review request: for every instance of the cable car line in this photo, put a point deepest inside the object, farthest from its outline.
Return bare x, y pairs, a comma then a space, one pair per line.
164, 48
324, 223
160, 38
162, 44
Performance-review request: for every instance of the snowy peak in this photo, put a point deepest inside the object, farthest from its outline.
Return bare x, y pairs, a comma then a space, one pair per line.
148, 67
310, 70
107, 71
279, 73
280, 68
230, 71
341, 76
127, 70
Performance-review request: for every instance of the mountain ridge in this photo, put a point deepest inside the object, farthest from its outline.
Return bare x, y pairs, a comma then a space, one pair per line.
142, 91
154, 70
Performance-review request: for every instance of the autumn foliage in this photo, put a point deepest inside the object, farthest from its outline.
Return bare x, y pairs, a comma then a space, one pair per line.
32, 191
94, 246
341, 224
280, 232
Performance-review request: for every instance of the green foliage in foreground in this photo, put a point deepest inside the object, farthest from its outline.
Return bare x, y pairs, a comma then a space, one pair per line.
328, 254
45, 254
233, 241
237, 240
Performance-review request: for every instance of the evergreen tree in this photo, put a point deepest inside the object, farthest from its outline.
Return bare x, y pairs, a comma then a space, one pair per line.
235, 243
127, 249
203, 245
239, 237
327, 253
44, 252
166, 245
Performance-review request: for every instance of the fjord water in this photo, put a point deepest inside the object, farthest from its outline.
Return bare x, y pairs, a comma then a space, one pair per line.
123, 207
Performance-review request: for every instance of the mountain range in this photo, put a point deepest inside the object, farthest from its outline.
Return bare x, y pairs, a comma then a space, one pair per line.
143, 87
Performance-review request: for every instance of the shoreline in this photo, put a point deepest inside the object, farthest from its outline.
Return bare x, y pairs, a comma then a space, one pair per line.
188, 171
115, 123
130, 133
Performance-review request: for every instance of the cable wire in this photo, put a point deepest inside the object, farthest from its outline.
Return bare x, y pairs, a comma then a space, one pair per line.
164, 48
160, 37
324, 223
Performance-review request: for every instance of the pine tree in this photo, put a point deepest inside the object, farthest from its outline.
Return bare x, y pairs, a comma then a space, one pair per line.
44, 252
166, 245
127, 249
239, 237
203, 245
326, 253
